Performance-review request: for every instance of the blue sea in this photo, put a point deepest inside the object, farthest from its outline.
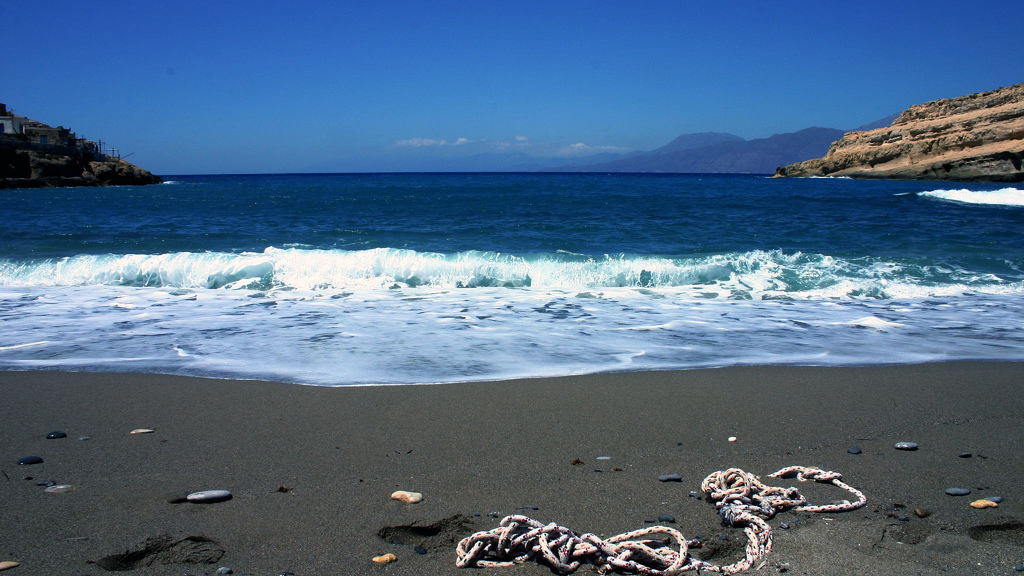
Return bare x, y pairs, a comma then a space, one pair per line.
425, 278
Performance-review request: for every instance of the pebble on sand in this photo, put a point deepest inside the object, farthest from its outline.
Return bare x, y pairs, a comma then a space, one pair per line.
385, 559
905, 446
958, 491
732, 438
209, 496
667, 518
983, 503
59, 489
670, 478
407, 497
142, 431
921, 513
29, 460
56, 434
854, 450
8, 564
996, 499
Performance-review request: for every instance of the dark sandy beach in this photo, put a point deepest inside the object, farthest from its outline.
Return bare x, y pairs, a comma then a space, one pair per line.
311, 468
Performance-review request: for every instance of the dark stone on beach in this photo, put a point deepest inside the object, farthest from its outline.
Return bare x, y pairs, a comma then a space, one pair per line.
921, 513
529, 507
854, 450
649, 520
965, 454
420, 549
958, 491
56, 434
996, 499
903, 518
45, 483
1019, 568
29, 460
670, 478
224, 570
667, 518
784, 525
693, 494
905, 446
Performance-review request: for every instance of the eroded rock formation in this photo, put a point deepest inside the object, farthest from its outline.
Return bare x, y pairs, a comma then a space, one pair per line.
978, 137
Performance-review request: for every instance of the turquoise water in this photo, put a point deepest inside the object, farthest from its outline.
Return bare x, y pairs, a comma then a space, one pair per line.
407, 278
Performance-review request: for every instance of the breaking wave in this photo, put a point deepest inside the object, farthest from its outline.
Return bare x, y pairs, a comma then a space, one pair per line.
1001, 197
757, 273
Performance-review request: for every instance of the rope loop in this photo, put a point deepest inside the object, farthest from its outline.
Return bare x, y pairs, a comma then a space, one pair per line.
741, 499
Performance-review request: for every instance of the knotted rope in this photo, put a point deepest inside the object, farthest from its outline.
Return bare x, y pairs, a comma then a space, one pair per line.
741, 498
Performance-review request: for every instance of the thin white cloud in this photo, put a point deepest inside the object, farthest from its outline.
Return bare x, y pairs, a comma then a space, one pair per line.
581, 149
420, 142
431, 142
521, 138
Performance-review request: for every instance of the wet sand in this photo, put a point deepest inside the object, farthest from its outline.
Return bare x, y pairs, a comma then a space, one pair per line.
311, 468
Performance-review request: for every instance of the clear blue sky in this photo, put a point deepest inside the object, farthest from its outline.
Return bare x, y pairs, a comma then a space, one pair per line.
258, 86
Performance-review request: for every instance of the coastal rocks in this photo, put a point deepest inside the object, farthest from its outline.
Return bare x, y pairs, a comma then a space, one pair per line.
209, 496
978, 137
23, 167
385, 559
958, 491
30, 460
56, 434
407, 497
905, 446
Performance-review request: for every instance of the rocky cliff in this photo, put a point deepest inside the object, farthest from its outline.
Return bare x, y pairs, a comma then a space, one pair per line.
978, 137
27, 168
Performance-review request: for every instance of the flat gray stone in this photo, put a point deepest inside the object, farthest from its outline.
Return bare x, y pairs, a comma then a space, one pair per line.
670, 478
958, 491
209, 496
905, 446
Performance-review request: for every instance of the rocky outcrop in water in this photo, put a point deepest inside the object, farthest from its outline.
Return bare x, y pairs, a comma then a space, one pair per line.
25, 168
978, 137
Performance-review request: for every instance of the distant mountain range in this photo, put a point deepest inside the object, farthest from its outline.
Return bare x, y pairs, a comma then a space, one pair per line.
721, 153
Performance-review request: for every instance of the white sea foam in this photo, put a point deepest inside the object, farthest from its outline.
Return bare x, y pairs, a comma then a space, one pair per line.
422, 335
1001, 197
756, 274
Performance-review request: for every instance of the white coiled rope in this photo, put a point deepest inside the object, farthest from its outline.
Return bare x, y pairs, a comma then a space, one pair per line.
741, 499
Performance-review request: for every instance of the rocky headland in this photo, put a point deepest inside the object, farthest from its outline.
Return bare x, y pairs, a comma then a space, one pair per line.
37, 155
978, 137
26, 168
